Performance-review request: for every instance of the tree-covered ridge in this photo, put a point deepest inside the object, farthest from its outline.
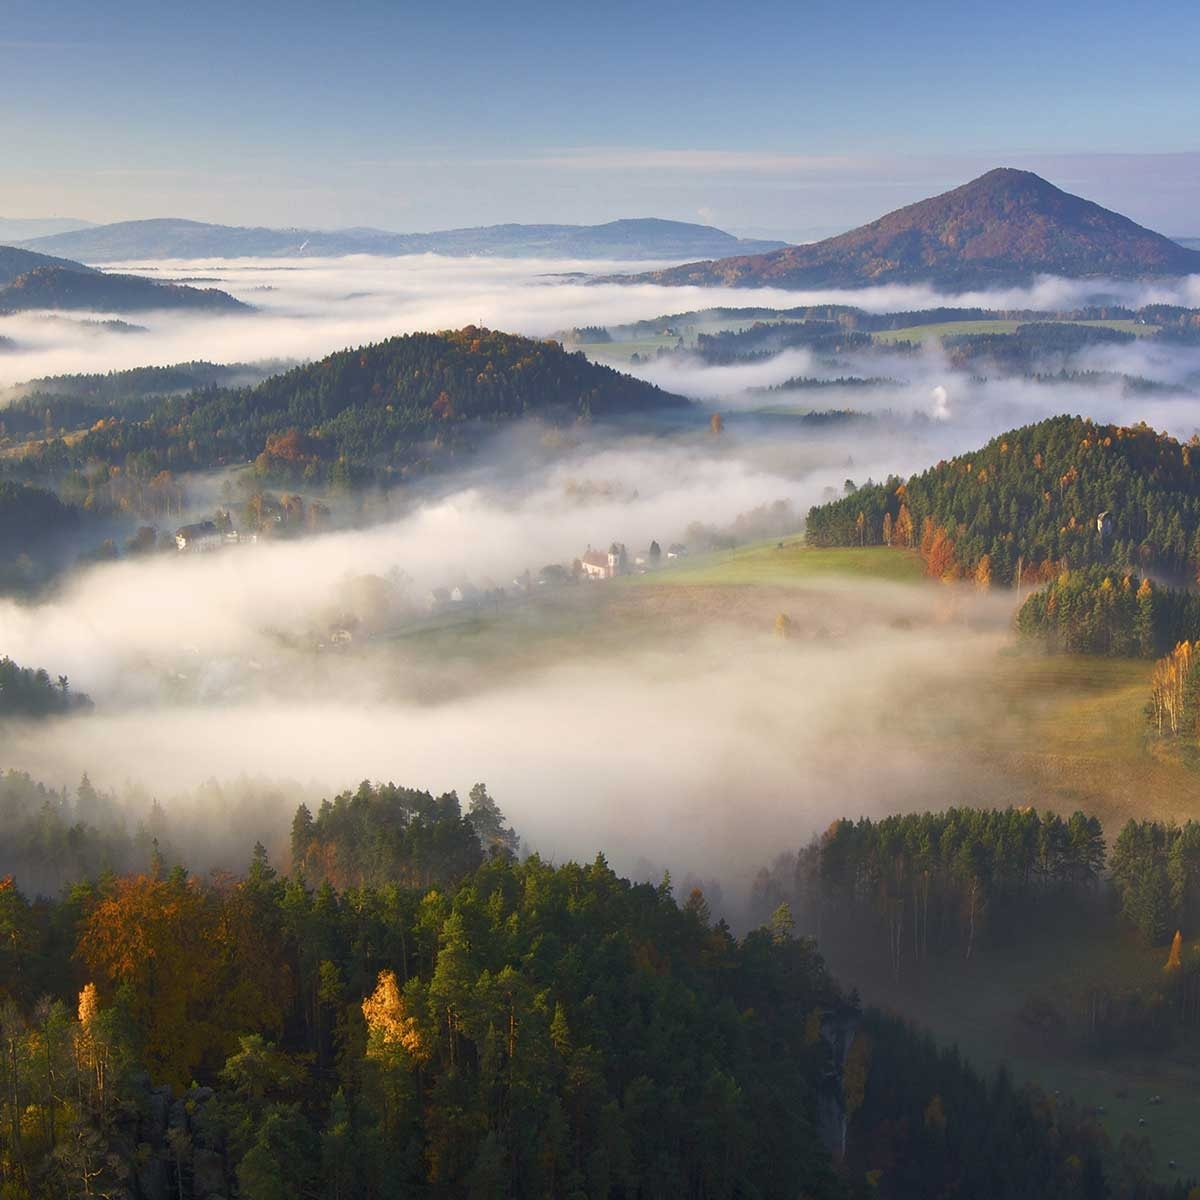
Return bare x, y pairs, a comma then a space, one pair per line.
75, 287
386, 406
30, 692
1063, 492
15, 262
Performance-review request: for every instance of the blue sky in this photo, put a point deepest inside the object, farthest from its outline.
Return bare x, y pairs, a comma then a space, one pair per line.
800, 118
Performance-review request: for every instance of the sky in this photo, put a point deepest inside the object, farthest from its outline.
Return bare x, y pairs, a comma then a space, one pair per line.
785, 118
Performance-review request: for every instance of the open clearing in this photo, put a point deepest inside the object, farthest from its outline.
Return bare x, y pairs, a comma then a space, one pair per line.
785, 561
924, 333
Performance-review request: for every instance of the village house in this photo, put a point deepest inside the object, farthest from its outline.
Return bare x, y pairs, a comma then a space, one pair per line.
203, 535
598, 565
594, 564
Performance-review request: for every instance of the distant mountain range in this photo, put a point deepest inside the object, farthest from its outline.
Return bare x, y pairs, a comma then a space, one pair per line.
37, 281
20, 229
1003, 228
170, 238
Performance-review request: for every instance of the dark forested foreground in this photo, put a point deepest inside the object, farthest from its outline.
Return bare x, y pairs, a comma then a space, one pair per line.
413, 1012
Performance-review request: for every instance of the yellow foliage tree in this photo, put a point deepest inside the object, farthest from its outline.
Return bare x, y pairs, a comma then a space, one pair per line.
389, 1025
983, 573
1173, 958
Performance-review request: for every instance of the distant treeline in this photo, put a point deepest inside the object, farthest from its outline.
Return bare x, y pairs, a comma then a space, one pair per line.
931, 884
1166, 315
765, 339
1066, 491
1029, 345
806, 382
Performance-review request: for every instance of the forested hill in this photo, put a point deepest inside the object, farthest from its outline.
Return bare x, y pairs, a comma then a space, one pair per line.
77, 287
15, 262
389, 406
1036, 496
1004, 227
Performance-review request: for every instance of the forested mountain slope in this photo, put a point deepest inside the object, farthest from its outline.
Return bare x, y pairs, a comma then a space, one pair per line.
76, 287
1063, 492
388, 406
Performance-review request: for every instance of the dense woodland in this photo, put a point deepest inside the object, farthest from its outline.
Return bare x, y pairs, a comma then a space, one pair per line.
1033, 499
1119, 614
60, 404
433, 1018
382, 410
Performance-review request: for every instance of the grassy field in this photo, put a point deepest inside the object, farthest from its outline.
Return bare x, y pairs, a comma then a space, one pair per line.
923, 333
778, 562
618, 353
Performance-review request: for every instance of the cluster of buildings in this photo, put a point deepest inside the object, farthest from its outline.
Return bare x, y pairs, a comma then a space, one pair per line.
203, 536
592, 566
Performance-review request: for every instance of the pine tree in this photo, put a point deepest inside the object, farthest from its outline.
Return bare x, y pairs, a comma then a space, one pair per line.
1173, 959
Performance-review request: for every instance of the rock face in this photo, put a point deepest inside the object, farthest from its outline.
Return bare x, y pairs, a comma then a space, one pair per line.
177, 1151
838, 1030
1004, 228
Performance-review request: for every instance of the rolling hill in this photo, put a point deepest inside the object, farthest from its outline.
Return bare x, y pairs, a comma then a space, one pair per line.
15, 262
78, 288
377, 411
31, 280
646, 238
1004, 228
1063, 491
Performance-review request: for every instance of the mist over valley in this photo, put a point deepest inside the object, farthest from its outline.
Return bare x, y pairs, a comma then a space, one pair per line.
601, 706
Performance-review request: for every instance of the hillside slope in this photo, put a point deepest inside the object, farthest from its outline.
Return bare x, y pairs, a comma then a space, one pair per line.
386, 408
1063, 491
74, 287
15, 262
1005, 227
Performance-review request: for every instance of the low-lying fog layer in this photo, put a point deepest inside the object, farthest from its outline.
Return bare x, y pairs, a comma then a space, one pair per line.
670, 726
310, 307
657, 724
705, 752
115, 625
